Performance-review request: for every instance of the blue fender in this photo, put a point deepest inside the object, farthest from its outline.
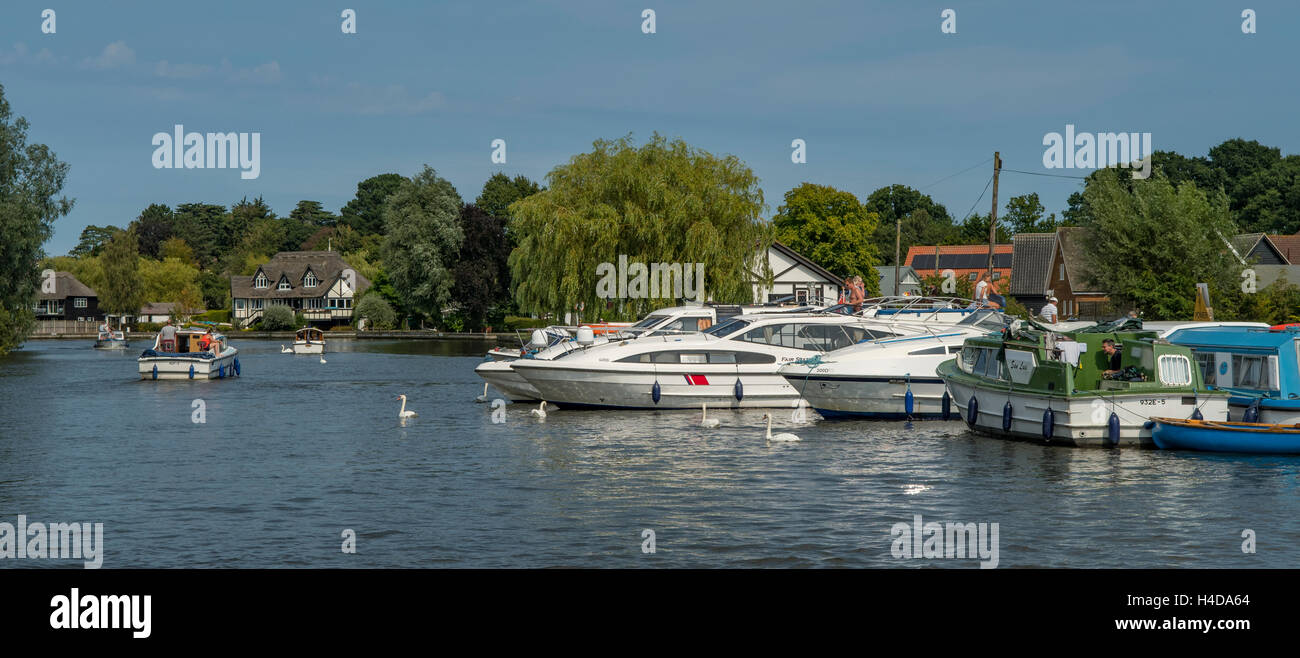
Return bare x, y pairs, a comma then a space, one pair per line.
1252, 413
1006, 416
221, 371
155, 371
909, 401
236, 366
1049, 423
972, 411
191, 371
655, 392
1112, 429
739, 390
946, 403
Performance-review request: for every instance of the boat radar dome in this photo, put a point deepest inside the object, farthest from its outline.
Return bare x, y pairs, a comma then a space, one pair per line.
538, 339
586, 336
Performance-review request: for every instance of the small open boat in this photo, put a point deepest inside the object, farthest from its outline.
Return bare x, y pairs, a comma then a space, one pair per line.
187, 359
1225, 436
309, 340
111, 340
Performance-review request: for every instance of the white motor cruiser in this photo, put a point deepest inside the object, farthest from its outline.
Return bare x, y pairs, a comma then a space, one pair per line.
890, 378
309, 340
733, 364
554, 342
190, 357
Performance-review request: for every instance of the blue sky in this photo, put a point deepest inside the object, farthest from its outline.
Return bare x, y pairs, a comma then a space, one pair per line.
878, 93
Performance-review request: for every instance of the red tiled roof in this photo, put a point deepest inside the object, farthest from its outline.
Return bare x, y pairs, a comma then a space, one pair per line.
1289, 245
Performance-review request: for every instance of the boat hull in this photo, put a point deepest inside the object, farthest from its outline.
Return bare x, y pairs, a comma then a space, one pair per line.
309, 348
111, 345
177, 366
503, 378
679, 388
1077, 420
1251, 438
871, 397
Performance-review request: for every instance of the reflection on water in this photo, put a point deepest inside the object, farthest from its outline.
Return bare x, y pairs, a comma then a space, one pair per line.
295, 451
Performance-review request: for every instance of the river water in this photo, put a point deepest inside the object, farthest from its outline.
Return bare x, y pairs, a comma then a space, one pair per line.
295, 452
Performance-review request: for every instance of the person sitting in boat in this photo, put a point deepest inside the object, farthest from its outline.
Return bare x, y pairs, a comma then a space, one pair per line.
167, 337
1112, 359
1048, 312
205, 341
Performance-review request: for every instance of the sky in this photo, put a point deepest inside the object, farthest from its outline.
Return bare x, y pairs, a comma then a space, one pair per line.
879, 93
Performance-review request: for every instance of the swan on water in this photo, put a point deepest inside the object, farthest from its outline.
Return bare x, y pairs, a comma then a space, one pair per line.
783, 436
482, 398
322, 358
403, 413
800, 413
285, 350
705, 421
540, 411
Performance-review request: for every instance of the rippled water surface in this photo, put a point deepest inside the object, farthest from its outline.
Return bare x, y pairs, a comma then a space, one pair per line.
296, 451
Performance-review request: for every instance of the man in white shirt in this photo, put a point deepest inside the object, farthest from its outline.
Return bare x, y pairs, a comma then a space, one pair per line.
982, 291
1049, 311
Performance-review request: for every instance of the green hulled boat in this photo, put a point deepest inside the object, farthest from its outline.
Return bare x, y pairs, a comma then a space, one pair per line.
1028, 382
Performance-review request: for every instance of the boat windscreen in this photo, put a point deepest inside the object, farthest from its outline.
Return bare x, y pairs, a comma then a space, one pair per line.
649, 321
726, 328
991, 320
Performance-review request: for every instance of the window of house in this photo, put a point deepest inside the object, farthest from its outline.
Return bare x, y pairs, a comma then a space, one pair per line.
239, 304
314, 302
309, 281
1062, 272
284, 285
80, 302
260, 281
972, 276
997, 275
257, 303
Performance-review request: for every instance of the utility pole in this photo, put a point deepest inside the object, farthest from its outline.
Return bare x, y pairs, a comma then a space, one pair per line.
993, 216
898, 236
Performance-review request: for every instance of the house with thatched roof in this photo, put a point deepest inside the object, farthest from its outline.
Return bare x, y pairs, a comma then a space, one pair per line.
70, 299
318, 284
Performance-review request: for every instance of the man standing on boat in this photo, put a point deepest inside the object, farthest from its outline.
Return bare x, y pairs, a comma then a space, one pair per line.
1049, 310
167, 337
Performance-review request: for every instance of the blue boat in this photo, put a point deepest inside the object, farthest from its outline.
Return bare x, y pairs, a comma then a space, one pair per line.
1219, 436
1258, 366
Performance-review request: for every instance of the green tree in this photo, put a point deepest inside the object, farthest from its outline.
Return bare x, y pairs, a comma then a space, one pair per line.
482, 276
122, 292
831, 228
312, 214
92, 240
975, 230
278, 317
500, 191
203, 227
924, 222
31, 180
1024, 214
664, 202
178, 249
365, 212
1149, 243
153, 227
163, 281
422, 222
377, 312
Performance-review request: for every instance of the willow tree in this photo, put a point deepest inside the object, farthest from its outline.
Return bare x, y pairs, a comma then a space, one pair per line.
664, 202
31, 180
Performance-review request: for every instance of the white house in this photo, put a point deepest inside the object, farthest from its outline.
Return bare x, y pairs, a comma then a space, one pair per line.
796, 277
319, 284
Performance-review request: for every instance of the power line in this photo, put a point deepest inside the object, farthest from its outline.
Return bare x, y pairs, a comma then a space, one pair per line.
1036, 173
977, 201
954, 175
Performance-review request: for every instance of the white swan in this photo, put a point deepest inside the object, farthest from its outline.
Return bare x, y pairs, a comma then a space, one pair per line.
540, 411
783, 436
322, 358
705, 421
482, 398
403, 413
285, 350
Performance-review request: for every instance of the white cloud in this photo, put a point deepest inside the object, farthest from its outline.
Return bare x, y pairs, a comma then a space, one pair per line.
165, 69
392, 99
268, 73
115, 55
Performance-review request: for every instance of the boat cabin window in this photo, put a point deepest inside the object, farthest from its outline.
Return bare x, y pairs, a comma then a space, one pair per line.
729, 327
812, 337
991, 320
649, 321
938, 349
714, 356
1251, 371
1205, 361
680, 326
982, 362
1175, 370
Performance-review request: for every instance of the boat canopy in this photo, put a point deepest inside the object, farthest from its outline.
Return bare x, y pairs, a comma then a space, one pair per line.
311, 334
